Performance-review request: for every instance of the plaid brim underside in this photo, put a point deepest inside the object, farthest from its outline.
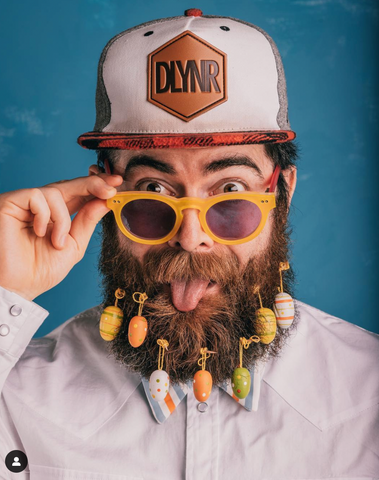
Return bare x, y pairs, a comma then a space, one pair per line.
98, 140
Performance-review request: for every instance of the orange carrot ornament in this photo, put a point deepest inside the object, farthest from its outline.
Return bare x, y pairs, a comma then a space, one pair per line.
241, 380
202, 381
266, 322
111, 319
138, 324
159, 381
283, 303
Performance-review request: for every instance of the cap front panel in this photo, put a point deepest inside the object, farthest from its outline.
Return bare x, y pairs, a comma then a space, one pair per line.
187, 76
250, 100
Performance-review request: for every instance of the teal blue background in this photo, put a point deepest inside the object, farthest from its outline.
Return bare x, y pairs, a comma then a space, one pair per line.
49, 58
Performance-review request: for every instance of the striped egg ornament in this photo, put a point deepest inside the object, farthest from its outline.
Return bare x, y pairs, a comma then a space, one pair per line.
110, 322
284, 310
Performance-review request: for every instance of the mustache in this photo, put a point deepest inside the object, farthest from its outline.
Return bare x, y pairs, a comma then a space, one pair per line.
166, 266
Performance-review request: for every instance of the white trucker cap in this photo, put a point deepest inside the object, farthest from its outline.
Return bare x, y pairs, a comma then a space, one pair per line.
190, 81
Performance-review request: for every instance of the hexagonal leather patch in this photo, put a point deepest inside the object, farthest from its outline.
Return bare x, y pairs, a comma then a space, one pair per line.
187, 76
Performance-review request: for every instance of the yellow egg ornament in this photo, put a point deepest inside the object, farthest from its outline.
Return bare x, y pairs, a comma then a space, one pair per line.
111, 319
265, 322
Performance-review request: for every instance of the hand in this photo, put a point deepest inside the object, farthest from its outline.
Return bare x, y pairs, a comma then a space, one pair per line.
39, 244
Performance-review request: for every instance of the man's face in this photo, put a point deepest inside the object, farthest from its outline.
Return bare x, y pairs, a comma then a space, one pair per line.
197, 172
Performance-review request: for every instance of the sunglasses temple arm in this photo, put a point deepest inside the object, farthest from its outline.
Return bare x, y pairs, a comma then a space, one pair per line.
107, 167
274, 179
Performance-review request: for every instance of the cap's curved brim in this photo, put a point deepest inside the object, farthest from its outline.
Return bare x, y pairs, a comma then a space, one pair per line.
123, 141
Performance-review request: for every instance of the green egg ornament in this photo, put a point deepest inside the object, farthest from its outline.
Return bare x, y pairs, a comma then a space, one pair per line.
266, 325
241, 382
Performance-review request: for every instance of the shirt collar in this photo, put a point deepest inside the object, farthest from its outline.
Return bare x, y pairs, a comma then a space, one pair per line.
162, 410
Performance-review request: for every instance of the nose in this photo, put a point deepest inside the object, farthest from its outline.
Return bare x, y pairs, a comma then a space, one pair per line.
190, 236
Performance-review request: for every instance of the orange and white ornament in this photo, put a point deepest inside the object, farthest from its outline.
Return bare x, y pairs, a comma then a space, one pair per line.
202, 381
111, 319
159, 381
283, 304
138, 324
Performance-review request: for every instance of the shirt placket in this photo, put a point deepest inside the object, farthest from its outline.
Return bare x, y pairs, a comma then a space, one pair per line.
202, 447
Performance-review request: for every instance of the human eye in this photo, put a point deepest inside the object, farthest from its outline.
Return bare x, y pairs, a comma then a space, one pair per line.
152, 186
230, 186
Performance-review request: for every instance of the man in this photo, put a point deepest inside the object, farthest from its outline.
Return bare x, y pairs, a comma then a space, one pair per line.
192, 135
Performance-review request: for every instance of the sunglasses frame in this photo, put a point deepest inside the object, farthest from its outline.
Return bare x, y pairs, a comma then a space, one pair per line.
264, 201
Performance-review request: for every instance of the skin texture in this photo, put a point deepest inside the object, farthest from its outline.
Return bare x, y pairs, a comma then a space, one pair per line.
191, 182
226, 311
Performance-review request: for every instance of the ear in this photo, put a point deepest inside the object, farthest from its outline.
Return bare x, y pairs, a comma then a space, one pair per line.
93, 170
290, 176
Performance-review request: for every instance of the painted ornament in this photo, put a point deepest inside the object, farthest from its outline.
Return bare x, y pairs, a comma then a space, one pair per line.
266, 325
266, 322
159, 382
241, 380
138, 324
111, 318
202, 380
283, 304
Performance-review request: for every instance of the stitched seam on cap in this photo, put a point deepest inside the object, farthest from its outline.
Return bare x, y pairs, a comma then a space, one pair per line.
237, 129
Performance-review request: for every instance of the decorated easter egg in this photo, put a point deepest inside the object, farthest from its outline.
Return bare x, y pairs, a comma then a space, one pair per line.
284, 310
266, 325
110, 322
241, 382
159, 384
137, 331
202, 385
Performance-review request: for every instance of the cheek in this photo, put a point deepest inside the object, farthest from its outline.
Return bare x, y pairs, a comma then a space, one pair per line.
139, 250
256, 246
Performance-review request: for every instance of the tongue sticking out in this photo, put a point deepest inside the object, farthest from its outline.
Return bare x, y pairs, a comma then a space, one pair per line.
185, 295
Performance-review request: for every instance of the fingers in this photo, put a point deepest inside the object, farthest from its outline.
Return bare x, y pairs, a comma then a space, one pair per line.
56, 202
85, 222
77, 192
39, 207
59, 215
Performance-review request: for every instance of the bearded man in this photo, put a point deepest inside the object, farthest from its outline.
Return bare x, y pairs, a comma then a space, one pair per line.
196, 162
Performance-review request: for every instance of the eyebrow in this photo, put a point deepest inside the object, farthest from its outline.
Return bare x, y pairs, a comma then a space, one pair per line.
236, 160
146, 161
214, 166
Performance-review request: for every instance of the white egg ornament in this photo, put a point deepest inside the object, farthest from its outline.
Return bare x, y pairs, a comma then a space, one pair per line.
159, 384
284, 310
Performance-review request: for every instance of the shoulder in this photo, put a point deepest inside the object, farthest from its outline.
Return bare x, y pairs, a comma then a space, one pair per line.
69, 364
327, 370
72, 356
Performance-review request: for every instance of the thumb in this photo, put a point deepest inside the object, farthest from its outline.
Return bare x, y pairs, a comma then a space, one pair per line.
85, 221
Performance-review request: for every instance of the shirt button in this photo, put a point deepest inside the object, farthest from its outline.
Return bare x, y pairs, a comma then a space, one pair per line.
4, 330
16, 310
202, 407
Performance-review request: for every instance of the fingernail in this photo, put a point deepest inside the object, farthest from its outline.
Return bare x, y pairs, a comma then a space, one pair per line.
109, 187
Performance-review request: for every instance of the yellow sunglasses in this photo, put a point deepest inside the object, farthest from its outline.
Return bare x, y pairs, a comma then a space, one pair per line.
227, 218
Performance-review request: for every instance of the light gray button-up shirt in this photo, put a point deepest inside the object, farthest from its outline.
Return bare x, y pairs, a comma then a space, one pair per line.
77, 414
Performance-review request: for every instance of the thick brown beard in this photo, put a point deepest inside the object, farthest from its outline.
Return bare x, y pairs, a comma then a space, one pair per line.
217, 322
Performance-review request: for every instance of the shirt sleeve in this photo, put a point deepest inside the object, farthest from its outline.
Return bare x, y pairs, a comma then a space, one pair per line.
19, 321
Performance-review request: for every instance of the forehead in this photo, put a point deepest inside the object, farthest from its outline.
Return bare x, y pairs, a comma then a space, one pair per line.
194, 160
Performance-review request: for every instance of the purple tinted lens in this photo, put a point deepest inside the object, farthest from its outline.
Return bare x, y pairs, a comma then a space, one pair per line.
148, 219
233, 219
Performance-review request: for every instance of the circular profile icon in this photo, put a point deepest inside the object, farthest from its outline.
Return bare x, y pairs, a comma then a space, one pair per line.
16, 461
